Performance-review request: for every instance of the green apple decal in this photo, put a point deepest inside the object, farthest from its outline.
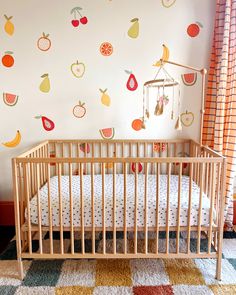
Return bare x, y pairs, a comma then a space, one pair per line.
78, 69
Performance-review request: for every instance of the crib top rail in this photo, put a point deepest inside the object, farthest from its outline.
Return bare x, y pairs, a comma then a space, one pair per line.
41, 153
121, 160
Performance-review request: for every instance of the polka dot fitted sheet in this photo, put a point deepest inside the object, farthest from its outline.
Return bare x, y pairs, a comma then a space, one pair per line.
151, 219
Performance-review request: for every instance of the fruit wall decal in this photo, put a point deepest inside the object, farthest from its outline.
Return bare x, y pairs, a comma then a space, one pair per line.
82, 19
187, 118
133, 31
106, 49
194, 29
14, 142
44, 43
137, 124
9, 26
8, 59
159, 147
107, 133
48, 124
85, 148
165, 56
10, 99
168, 3
189, 79
132, 83
78, 69
138, 165
52, 154
45, 84
105, 98
79, 110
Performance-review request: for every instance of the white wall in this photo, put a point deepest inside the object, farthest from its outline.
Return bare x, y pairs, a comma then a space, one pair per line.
108, 21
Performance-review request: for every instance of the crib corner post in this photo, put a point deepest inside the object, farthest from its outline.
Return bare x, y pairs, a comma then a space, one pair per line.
17, 217
20, 269
221, 220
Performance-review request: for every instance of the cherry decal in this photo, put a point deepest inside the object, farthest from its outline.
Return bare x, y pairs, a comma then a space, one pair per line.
83, 19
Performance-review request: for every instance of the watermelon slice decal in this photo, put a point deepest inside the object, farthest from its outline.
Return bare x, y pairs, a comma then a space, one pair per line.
10, 99
107, 133
189, 79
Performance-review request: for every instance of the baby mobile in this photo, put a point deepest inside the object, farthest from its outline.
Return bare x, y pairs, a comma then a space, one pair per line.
160, 85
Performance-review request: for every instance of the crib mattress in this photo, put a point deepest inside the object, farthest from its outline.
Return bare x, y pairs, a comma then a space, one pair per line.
151, 219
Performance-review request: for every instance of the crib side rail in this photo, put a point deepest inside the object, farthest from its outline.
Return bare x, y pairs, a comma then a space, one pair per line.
140, 247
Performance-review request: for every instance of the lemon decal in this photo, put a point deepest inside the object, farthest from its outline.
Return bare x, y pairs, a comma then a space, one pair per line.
9, 27
134, 29
105, 99
45, 84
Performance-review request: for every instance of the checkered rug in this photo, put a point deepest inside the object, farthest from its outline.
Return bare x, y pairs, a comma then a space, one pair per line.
136, 276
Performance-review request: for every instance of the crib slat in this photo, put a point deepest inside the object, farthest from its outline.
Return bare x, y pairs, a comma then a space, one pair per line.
136, 208
49, 209
175, 155
189, 206
168, 208
26, 178
157, 204
146, 208
39, 210
130, 155
125, 208
60, 208
62, 155
92, 199
212, 201
201, 171
103, 209
77, 155
71, 209
179, 206
82, 208
114, 208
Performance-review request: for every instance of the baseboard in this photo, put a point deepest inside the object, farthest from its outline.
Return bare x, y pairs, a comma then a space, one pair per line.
7, 213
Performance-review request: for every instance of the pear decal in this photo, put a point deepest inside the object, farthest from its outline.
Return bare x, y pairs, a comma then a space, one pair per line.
134, 29
45, 84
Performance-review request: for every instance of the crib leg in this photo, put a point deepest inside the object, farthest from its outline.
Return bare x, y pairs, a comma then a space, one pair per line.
218, 268
20, 269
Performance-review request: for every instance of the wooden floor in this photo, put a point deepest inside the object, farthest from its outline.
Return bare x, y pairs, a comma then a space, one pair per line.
6, 234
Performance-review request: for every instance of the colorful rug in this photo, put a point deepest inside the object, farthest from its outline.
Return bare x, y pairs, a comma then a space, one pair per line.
136, 276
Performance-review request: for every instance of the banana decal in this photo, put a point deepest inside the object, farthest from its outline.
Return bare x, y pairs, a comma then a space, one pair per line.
15, 141
165, 56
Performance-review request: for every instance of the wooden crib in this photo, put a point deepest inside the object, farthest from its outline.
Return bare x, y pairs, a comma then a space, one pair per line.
140, 189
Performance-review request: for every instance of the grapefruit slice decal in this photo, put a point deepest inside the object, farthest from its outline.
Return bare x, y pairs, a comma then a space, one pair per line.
107, 133
189, 79
10, 99
106, 49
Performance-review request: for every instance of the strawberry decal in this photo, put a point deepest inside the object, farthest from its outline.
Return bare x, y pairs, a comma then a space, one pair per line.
48, 124
132, 83
82, 19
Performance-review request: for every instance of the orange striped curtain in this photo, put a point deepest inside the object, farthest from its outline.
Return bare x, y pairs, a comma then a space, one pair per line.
219, 129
